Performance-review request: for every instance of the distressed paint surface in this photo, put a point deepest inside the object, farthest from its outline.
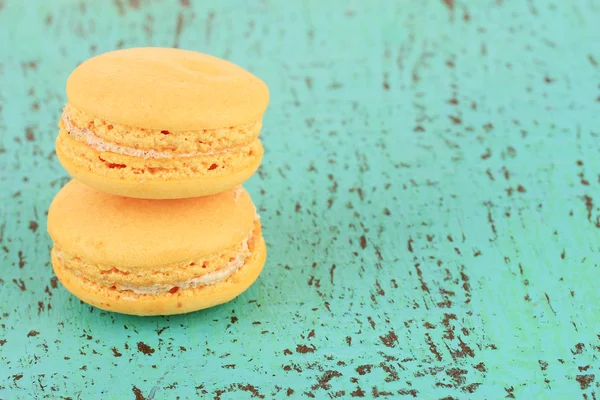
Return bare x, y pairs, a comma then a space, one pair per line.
429, 196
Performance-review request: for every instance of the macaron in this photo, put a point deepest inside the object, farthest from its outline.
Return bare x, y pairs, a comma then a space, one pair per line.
161, 123
154, 257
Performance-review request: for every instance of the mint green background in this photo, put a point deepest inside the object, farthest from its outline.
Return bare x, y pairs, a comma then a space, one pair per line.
429, 196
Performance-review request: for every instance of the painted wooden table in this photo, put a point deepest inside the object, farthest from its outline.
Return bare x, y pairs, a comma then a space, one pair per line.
429, 195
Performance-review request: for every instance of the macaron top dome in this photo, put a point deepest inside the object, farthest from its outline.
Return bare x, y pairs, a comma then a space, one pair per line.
164, 88
105, 229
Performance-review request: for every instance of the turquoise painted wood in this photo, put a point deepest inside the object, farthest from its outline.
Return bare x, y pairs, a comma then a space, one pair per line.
429, 194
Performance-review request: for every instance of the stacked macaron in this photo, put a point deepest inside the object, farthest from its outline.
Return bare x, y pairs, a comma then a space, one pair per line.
159, 142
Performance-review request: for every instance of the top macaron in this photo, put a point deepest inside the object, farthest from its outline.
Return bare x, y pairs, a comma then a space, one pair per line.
161, 123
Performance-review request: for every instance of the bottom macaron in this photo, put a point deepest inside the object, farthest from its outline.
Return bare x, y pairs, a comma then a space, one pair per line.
155, 257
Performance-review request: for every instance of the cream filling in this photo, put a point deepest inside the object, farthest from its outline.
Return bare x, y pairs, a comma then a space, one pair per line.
210, 278
97, 143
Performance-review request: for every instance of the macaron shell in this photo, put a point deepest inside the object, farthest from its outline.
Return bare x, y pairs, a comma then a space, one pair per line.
163, 88
134, 186
184, 301
102, 228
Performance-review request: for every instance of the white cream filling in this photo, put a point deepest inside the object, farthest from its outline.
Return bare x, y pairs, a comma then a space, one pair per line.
210, 278
237, 192
97, 143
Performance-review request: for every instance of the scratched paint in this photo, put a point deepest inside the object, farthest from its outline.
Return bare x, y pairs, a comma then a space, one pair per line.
429, 195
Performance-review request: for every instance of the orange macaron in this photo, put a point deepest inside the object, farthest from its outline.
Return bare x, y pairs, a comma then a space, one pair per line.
161, 123
155, 257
